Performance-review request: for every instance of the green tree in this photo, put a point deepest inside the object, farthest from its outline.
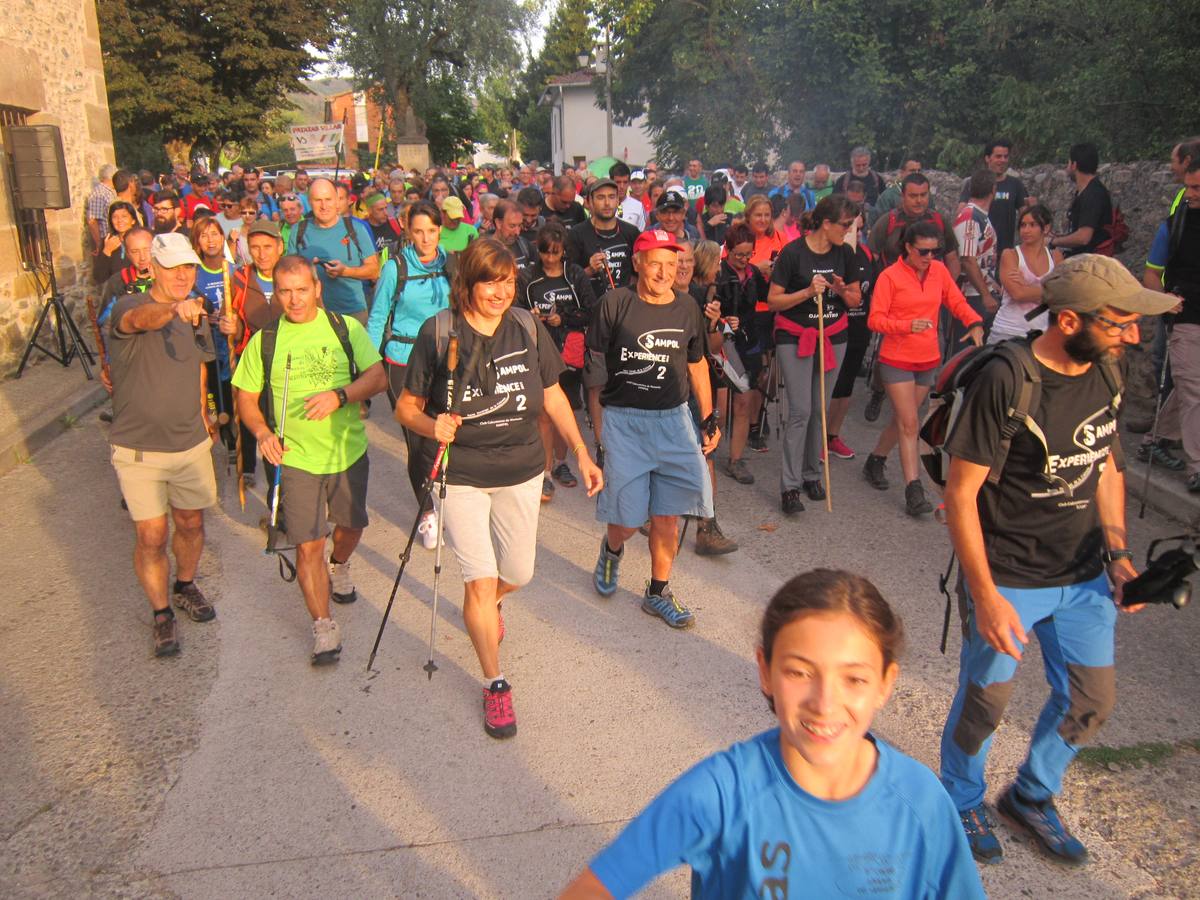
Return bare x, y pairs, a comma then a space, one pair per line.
195, 73
451, 123
396, 46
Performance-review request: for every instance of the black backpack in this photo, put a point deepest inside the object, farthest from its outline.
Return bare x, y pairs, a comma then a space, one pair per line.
270, 335
402, 278
946, 401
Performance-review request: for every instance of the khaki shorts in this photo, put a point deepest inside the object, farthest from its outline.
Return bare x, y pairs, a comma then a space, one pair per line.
154, 483
308, 503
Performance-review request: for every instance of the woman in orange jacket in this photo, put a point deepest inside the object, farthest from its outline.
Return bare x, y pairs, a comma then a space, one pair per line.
904, 309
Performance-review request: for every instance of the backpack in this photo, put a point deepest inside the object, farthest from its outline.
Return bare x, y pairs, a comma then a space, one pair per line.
443, 324
893, 221
402, 278
350, 233
1118, 234
946, 401
270, 335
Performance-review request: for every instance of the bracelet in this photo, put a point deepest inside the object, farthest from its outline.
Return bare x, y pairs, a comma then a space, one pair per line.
578, 447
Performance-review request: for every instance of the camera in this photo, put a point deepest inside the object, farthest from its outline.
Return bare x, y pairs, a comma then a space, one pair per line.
1165, 577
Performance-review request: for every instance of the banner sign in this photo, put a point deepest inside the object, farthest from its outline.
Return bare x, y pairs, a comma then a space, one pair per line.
316, 141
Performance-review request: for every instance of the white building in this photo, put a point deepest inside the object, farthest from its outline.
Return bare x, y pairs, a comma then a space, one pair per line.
577, 125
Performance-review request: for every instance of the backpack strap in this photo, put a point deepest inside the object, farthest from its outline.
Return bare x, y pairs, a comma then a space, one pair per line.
266, 403
443, 323
1029, 391
353, 236
338, 323
300, 229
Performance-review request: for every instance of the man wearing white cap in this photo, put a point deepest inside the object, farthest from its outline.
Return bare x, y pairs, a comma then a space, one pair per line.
632, 210
161, 437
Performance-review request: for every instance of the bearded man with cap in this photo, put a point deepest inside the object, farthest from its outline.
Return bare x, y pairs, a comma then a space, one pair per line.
645, 355
1043, 547
161, 436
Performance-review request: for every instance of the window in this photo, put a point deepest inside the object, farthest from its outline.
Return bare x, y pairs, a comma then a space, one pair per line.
31, 223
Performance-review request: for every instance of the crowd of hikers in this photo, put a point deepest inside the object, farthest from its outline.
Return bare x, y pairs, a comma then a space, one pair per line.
505, 312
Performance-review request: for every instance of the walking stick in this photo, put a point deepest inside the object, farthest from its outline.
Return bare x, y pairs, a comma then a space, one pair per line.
227, 310
1158, 405
440, 460
101, 349
430, 666
821, 370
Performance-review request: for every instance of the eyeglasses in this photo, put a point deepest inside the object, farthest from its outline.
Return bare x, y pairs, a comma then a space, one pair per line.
291, 198
741, 256
845, 224
926, 251
1113, 328
228, 205
165, 208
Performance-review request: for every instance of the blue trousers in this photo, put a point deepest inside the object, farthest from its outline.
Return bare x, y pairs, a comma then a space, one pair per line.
1075, 626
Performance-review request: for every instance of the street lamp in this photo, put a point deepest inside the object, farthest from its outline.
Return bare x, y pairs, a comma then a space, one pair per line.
602, 67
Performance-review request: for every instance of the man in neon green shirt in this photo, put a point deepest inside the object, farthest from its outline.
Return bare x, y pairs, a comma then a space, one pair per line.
456, 233
323, 462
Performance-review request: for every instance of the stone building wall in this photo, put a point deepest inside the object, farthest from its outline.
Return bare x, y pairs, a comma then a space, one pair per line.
53, 73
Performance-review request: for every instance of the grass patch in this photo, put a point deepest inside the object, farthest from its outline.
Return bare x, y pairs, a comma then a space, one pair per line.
1151, 753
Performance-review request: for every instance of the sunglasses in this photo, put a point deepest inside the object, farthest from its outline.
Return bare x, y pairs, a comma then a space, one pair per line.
742, 256
289, 197
926, 251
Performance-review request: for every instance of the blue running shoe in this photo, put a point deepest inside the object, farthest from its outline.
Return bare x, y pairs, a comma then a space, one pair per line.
985, 846
667, 608
1044, 823
605, 575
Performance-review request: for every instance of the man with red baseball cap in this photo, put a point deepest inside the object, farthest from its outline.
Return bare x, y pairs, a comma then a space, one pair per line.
645, 357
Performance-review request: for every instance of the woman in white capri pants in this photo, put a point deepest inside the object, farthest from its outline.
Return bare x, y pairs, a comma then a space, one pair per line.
507, 373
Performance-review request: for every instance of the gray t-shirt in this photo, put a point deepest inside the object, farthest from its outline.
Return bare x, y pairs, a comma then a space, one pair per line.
156, 382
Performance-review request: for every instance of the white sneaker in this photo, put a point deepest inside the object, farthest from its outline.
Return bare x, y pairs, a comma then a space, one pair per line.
428, 530
340, 584
327, 642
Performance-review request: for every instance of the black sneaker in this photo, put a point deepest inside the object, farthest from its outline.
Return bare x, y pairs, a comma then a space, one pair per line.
874, 406
757, 443
815, 490
791, 502
873, 472
915, 503
1163, 457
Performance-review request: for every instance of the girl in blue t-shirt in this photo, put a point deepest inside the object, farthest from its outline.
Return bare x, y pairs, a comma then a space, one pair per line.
818, 807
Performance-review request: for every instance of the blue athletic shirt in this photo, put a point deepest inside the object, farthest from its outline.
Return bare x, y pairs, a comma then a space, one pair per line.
748, 830
211, 284
341, 295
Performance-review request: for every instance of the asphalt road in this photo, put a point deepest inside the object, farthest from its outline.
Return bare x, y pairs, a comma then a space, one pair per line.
238, 770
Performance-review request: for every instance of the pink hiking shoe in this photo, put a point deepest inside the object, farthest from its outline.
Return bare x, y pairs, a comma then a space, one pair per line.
499, 720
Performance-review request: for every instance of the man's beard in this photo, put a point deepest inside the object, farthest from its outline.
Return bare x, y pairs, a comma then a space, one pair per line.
1083, 347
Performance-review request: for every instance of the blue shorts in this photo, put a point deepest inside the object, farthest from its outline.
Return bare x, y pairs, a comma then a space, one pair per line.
653, 466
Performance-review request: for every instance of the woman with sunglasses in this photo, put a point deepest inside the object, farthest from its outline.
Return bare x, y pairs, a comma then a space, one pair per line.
904, 309
820, 264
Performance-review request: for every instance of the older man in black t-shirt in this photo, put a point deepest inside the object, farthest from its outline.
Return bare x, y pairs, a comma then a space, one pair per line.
1039, 541
645, 355
161, 437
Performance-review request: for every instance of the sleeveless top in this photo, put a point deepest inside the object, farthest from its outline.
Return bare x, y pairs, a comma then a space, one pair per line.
1010, 318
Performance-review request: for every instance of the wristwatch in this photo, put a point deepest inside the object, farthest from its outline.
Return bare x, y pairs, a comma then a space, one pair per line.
1111, 556
341, 395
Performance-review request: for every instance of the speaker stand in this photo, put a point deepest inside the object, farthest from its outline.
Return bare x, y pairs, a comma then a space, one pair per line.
63, 330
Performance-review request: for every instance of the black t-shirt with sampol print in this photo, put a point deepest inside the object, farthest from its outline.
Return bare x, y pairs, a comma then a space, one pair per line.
585, 240
795, 269
1039, 534
646, 348
498, 443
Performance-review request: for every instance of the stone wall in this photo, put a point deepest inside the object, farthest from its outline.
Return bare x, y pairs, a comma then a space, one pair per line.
53, 72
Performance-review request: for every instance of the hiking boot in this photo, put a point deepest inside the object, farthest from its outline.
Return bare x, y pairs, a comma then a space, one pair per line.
1193, 483
985, 846
815, 491
499, 719
340, 586
710, 541
667, 608
106, 416
874, 406
166, 639
563, 475
428, 530
1044, 823
739, 472
791, 503
192, 602
607, 565
839, 448
873, 472
1163, 457
915, 503
547, 489
327, 642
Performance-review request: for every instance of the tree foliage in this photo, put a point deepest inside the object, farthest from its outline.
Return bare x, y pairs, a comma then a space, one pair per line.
737, 79
402, 48
451, 124
199, 73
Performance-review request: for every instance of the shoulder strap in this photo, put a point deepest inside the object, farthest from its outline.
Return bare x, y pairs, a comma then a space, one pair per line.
442, 323
270, 333
353, 236
528, 322
338, 323
1020, 410
300, 229
891, 225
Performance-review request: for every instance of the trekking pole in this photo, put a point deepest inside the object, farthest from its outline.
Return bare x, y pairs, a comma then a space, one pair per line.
821, 370
1158, 405
440, 459
430, 666
227, 310
287, 377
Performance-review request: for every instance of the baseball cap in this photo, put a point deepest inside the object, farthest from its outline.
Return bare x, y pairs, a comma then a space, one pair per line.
1089, 282
637, 175
672, 197
264, 226
655, 239
602, 183
452, 208
173, 249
